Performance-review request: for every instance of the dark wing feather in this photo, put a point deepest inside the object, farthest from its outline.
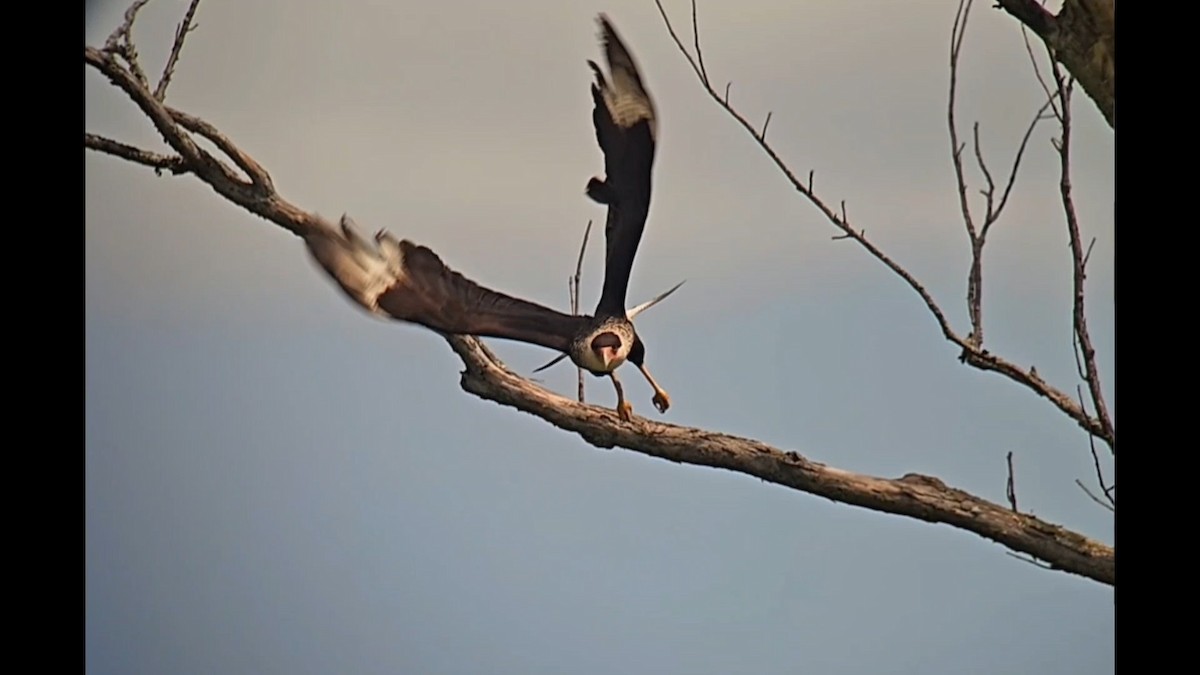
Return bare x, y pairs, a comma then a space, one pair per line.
436, 296
625, 129
404, 281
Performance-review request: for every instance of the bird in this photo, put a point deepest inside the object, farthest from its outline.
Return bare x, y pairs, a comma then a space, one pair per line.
399, 279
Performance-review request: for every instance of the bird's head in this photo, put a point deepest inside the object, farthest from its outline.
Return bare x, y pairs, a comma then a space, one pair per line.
606, 346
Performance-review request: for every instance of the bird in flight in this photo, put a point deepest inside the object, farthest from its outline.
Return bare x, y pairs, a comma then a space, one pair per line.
401, 280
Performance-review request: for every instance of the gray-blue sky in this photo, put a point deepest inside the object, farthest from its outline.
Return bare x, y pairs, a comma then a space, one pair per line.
277, 482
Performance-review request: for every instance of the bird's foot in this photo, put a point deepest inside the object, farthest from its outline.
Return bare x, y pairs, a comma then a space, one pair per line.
662, 401
625, 411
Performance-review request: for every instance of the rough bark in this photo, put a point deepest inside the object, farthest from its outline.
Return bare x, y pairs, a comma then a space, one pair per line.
1080, 37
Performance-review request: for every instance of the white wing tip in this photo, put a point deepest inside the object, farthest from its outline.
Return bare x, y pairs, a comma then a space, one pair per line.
363, 268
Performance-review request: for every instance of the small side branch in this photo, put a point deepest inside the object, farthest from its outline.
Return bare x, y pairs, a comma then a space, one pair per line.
1078, 264
120, 43
573, 285
1109, 506
181, 31
154, 160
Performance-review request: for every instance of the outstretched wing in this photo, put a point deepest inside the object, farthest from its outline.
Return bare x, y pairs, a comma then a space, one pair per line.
401, 280
625, 128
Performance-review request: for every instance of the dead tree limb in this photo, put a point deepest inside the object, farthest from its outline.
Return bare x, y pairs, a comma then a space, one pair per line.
994, 203
913, 495
1082, 336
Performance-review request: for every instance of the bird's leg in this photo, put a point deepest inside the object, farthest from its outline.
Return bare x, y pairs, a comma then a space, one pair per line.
624, 409
661, 400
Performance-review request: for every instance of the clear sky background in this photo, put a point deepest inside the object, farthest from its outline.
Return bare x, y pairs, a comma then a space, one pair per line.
278, 483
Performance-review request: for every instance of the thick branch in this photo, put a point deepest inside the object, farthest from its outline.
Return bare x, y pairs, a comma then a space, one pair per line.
1081, 38
912, 495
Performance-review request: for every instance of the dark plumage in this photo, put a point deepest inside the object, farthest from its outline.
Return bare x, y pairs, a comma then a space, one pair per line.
404, 281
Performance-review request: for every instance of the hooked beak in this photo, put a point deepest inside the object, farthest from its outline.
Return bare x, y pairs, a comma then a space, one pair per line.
607, 355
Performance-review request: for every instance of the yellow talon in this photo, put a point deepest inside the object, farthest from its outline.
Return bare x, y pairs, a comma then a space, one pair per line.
662, 401
625, 411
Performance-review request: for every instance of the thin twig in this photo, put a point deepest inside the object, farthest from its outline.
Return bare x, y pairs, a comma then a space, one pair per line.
957, 33
1079, 274
1106, 489
123, 31
990, 192
575, 295
1038, 73
1010, 488
181, 31
1096, 499
700, 54
120, 43
1039, 116
173, 163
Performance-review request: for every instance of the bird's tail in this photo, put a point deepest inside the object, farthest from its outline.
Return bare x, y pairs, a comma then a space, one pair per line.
364, 269
634, 311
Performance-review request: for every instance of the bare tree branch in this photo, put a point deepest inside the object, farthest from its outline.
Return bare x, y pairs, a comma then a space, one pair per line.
700, 54
973, 355
1106, 490
913, 495
1039, 116
257, 174
957, 32
1078, 258
575, 296
992, 208
1096, 499
158, 162
1037, 72
258, 195
120, 43
185, 27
